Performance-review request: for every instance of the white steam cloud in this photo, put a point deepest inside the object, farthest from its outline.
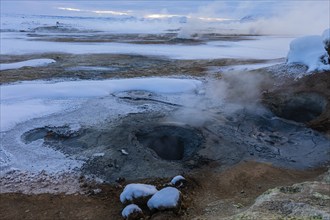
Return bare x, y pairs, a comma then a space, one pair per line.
234, 91
290, 18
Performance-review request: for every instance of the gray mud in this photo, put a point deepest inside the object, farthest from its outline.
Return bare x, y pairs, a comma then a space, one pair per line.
300, 107
133, 146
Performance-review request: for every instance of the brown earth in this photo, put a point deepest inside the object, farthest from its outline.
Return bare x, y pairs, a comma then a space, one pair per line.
207, 194
317, 83
124, 66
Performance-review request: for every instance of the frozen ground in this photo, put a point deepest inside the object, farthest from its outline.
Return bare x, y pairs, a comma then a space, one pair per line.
94, 98
245, 67
24, 101
107, 128
254, 48
131, 114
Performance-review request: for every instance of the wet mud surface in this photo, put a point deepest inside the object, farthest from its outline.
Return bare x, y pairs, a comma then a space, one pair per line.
306, 100
153, 146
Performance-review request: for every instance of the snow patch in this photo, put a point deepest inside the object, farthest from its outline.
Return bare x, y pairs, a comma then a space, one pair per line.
13, 113
27, 100
90, 88
124, 152
254, 48
137, 190
247, 67
35, 157
164, 199
326, 36
98, 155
27, 63
91, 68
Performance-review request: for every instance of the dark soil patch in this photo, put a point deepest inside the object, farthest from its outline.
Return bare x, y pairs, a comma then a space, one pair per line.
171, 142
240, 184
313, 110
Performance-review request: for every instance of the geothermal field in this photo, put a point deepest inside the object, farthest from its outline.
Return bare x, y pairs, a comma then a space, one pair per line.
165, 110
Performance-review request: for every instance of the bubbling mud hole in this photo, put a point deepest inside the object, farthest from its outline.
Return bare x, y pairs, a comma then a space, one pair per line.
121, 148
301, 107
171, 142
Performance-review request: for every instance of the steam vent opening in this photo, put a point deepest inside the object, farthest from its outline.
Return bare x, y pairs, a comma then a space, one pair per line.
171, 142
302, 107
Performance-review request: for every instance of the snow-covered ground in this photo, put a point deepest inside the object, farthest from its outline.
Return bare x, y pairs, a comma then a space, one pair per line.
246, 67
67, 103
256, 48
26, 100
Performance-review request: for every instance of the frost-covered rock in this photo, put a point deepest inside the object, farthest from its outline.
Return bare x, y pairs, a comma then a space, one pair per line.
309, 50
178, 181
137, 190
326, 41
132, 211
307, 200
167, 198
312, 51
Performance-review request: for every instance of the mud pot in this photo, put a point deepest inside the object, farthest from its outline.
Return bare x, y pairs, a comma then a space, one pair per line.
153, 145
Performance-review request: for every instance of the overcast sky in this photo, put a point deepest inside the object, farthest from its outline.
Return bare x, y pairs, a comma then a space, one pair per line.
277, 16
85, 8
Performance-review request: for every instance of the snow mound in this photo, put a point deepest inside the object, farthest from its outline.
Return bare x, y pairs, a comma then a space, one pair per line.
326, 36
310, 51
177, 179
137, 190
27, 63
166, 198
130, 209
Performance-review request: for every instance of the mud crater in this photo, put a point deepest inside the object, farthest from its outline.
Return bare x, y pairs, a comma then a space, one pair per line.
64, 138
301, 107
50, 133
171, 142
